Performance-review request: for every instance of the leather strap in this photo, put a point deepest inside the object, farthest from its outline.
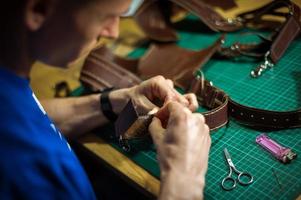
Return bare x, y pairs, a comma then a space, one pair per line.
253, 50
152, 20
130, 124
102, 70
212, 98
255, 18
287, 34
208, 15
182, 63
246, 115
150, 17
274, 46
225, 4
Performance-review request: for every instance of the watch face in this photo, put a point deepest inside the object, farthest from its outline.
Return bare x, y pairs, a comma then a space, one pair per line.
133, 8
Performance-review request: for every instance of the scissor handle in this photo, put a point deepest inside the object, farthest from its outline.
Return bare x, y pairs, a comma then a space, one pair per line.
249, 177
230, 181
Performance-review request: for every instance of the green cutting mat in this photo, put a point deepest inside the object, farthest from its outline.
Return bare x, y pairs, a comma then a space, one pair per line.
277, 89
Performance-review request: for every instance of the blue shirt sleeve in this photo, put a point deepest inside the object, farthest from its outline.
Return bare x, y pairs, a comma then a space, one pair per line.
36, 160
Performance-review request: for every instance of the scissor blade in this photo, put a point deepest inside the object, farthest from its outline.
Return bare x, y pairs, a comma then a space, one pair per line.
227, 154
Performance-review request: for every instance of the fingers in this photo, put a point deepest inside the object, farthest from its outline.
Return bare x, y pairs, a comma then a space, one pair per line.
163, 115
157, 131
170, 83
200, 117
144, 105
171, 107
163, 89
193, 103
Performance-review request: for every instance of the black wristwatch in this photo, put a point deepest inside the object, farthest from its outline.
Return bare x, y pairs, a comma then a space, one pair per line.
106, 106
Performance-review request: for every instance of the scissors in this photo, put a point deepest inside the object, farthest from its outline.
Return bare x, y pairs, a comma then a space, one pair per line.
243, 178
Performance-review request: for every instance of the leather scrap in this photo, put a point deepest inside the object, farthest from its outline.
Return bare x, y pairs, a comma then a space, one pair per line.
151, 19
182, 63
102, 70
130, 124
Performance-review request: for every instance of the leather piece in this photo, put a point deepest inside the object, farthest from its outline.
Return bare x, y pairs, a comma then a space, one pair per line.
225, 4
222, 107
255, 18
182, 63
279, 40
130, 124
289, 30
208, 16
102, 70
250, 50
212, 98
154, 19
264, 118
288, 33
150, 17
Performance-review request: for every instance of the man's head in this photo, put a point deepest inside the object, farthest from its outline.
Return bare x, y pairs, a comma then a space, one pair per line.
56, 31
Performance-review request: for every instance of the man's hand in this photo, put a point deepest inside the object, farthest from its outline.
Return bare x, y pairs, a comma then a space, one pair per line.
183, 149
150, 91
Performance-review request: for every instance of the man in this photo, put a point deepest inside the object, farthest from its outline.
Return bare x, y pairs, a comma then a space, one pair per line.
36, 161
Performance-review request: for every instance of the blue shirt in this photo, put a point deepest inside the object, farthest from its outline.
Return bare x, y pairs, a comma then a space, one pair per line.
36, 162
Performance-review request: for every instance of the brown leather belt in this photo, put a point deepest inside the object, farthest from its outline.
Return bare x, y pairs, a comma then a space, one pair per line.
223, 106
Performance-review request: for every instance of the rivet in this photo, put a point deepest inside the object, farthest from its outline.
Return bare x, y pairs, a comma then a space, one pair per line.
287, 120
274, 120
262, 118
232, 110
252, 116
241, 114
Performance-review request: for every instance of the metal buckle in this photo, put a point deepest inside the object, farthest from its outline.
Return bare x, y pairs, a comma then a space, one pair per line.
262, 67
123, 143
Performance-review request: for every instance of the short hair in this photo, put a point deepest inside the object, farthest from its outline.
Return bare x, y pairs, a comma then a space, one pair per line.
13, 32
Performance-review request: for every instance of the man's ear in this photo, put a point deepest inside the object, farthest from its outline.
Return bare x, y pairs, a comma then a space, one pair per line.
36, 13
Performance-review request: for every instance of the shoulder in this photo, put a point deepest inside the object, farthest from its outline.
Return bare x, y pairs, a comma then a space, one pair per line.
36, 161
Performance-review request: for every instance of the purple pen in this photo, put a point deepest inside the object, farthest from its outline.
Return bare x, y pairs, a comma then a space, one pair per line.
281, 153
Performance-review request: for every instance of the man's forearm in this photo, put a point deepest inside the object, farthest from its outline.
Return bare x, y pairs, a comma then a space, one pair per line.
75, 115
78, 115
